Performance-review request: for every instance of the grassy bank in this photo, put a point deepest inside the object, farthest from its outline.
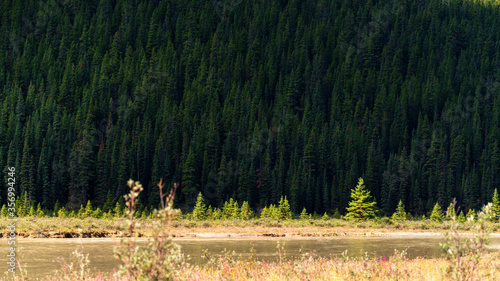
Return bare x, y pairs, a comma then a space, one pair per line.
51, 227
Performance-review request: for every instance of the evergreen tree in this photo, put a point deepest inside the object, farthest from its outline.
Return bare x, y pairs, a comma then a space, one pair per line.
471, 215
400, 214
200, 209
284, 209
495, 206
245, 213
437, 214
303, 214
325, 217
361, 206
461, 217
450, 212
3, 211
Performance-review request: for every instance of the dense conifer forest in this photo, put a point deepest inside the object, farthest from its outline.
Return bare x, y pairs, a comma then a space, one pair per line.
252, 100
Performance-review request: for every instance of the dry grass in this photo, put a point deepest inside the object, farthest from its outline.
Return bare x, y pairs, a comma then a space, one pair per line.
314, 268
93, 227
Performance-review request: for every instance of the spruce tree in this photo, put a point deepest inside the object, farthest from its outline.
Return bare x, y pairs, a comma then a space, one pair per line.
284, 209
461, 217
118, 210
3, 211
200, 210
471, 215
437, 213
245, 213
450, 212
304, 215
495, 206
400, 214
361, 206
325, 217
88, 210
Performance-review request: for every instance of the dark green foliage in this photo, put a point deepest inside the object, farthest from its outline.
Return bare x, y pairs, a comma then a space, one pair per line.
270, 99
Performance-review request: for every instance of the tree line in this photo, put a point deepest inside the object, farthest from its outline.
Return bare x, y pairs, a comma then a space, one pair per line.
252, 101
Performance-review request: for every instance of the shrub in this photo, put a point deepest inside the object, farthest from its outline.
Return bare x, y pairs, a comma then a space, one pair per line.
465, 254
160, 258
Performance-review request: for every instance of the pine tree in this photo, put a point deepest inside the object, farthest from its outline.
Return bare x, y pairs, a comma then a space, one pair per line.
471, 215
265, 213
495, 206
236, 210
325, 217
450, 212
200, 210
108, 205
39, 212
400, 214
97, 213
88, 210
245, 213
61, 213
284, 209
437, 213
304, 215
361, 206
461, 217
118, 210
227, 210
336, 214
81, 212
3, 211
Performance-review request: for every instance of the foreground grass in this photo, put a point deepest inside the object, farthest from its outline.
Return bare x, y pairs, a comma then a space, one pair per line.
226, 266
93, 227
314, 268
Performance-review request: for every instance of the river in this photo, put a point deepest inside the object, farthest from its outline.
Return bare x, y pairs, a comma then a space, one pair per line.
40, 257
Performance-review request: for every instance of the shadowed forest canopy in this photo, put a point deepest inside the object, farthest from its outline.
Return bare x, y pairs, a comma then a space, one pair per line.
253, 100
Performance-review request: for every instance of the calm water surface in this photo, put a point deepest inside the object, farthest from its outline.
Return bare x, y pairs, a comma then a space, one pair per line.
42, 256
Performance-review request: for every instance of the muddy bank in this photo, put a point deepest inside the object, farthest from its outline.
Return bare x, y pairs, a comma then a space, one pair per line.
234, 232
70, 234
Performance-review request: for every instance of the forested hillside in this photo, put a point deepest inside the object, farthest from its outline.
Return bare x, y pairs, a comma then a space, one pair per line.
252, 100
